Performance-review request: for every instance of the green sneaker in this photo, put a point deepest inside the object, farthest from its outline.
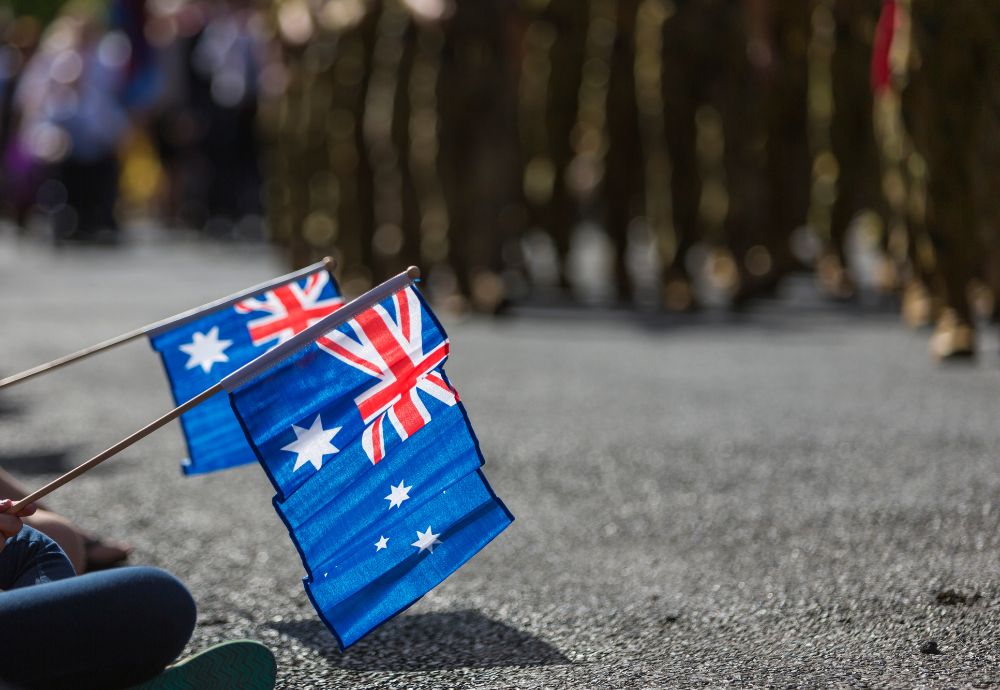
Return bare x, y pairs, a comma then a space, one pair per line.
242, 664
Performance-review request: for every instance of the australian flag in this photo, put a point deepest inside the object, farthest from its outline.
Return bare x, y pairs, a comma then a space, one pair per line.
198, 351
375, 463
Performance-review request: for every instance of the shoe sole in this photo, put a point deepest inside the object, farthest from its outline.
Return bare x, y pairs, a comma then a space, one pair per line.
242, 664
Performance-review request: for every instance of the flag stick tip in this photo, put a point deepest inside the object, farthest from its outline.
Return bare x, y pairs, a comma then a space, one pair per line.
330, 262
413, 272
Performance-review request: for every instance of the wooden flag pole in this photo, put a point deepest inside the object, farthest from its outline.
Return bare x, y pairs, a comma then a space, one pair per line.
178, 319
237, 378
75, 357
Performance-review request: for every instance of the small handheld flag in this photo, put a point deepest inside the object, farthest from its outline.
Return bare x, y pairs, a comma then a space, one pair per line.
375, 463
201, 349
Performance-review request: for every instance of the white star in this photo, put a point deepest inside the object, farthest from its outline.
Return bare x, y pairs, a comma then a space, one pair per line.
426, 540
398, 494
205, 350
312, 444
382, 543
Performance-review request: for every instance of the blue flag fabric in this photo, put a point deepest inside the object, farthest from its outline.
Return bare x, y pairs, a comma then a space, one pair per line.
370, 585
198, 353
375, 463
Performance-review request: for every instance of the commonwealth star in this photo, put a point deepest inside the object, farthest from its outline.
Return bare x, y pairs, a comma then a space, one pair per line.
205, 350
312, 445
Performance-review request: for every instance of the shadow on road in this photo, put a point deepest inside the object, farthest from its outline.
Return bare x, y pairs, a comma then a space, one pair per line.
8, 408
431, 642
45, 462
797, 307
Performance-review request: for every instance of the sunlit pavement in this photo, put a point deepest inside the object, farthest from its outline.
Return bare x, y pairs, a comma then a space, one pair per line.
795, 496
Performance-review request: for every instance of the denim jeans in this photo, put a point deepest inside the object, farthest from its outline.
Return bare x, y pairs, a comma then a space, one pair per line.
109, 629
31, 558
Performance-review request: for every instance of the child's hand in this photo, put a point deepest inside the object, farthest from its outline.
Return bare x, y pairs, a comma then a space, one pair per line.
11, 524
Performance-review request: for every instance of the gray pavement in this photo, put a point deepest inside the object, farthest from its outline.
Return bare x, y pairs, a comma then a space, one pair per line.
795, 497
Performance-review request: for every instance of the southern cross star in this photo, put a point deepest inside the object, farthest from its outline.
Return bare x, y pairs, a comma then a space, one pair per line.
426, 540
312, 444
205, 350
398, 494
382, 543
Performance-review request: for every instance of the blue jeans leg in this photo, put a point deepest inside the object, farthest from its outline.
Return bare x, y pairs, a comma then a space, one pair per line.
31, 558
108, 629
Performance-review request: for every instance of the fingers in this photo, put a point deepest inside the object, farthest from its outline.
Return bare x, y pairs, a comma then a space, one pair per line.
25, 511
9, 524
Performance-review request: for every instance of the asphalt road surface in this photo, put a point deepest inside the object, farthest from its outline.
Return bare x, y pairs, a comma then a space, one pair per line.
793, 497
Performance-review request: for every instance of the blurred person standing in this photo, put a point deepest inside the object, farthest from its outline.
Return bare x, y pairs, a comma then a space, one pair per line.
73, 121
179, 118
720, 70
553, 51
623, 180
949, 105
902, 170
779, 56
20, 174
852, 140
478, 146
227, 57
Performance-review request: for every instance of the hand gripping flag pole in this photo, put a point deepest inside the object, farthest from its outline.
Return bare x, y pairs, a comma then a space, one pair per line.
172, 322
241, 375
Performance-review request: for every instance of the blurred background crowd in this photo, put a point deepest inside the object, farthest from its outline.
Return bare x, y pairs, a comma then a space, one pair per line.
710, 148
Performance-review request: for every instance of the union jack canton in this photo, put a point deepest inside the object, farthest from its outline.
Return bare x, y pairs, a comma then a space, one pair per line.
392, 350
